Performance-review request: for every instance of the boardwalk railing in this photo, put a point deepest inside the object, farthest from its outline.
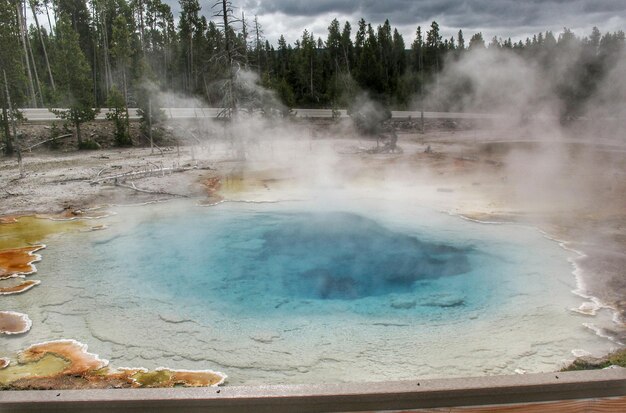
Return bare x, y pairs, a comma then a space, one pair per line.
600, 390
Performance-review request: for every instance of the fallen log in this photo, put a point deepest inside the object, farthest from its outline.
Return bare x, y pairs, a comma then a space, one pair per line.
147, 191
48, 140
144, 173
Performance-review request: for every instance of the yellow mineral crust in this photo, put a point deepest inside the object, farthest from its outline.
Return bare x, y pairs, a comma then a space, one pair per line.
164, 377
66, 364
80, 361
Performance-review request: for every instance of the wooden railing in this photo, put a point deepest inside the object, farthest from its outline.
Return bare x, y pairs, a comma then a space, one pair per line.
581, 391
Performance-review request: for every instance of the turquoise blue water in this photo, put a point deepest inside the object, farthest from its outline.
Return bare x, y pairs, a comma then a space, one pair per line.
256, 262
309, 292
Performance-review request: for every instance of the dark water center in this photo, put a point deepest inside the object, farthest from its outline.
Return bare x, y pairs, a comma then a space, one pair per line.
346, 256
248, 261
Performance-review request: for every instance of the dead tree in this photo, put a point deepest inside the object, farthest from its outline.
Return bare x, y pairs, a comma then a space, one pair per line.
231, 58
24, 39
257, 46
17, 144
372, 119
225, 11
43, 44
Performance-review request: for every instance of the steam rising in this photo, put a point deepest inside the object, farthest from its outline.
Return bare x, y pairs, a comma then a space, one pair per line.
554, 158
558, 158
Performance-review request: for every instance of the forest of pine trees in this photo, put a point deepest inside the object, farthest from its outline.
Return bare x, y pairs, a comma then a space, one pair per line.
85, 54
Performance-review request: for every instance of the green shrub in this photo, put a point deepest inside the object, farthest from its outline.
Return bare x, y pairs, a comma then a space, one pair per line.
89, 145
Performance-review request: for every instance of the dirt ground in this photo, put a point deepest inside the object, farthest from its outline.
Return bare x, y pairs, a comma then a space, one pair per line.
466, 171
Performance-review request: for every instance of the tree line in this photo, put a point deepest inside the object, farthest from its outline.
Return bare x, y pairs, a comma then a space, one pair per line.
79, 55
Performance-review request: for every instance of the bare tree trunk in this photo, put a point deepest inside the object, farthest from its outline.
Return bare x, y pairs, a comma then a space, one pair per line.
108, 76
55, 11
437, 77
245, 38
166, 48
45, 3
78, 135
43, 44
95, 53
141, 23
312, 91
8, 149
150, 124
258, 44
95, 72
192, 78
17, 144
8, 143
32, 58
231, 103
421, 68
33, 98
126, 102
229, 54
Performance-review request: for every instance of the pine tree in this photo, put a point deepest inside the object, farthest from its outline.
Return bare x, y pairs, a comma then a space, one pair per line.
385, 46
460, 41
347, 48
80, 20
432, 48
118, 113
417, 50
334, 46
189, 28
477, 41
398, 61
73, 77
12, 69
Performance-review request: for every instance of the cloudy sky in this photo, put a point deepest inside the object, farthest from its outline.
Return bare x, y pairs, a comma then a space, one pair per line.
503, 18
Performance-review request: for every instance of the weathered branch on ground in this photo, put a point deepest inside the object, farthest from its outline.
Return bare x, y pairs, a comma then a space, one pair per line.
63, 181
102, 170
147, 191
145, 173
154, 145
48, 140
160, 167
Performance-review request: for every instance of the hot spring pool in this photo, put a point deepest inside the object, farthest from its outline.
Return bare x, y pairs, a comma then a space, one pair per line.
308, 292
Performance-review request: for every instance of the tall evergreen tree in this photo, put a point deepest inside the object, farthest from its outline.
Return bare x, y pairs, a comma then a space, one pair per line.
334, 46
12, 69
432, 48
73, 75
460, 40
190, 29
398, 60
347, 48
80, 19
477, 41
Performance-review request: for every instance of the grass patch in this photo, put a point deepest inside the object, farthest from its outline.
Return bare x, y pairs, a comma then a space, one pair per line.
617, 358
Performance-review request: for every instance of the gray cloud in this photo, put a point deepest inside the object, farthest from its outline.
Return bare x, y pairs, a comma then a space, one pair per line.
502, 18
